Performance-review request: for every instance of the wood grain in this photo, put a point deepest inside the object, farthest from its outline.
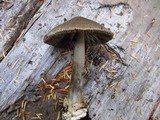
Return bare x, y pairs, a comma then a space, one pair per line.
134, 97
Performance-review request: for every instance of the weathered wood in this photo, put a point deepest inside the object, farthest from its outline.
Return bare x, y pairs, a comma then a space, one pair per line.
14, 19
138, 90
137, 96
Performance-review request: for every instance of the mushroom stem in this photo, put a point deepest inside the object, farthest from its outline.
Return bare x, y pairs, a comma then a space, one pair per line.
77, 80
75, 101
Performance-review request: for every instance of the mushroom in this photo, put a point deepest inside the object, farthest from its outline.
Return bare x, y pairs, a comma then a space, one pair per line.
77, 34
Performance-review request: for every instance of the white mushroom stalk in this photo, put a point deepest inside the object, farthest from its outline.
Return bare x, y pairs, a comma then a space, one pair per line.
75, 100
77, 34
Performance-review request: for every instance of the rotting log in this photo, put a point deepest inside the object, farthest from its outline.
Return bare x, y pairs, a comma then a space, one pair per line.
135, 96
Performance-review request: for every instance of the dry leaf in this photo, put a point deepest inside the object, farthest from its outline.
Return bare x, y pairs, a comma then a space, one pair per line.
133, 76
133, 42
134, 56
138, 110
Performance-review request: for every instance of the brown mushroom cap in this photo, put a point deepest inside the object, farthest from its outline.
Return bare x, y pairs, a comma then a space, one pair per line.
64, 35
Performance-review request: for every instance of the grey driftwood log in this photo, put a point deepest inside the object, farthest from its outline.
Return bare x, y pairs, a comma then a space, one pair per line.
136, 28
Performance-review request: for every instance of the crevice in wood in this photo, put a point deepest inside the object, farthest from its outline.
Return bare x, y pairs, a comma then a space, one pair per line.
151, 117
18, 23
113, 5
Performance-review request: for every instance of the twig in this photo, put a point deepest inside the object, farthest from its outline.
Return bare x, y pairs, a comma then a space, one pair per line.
20, 36
58, 116
2, 79
158, 46
4, 54
116, 54
15, 63
28, 50
150, 25
154, 109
